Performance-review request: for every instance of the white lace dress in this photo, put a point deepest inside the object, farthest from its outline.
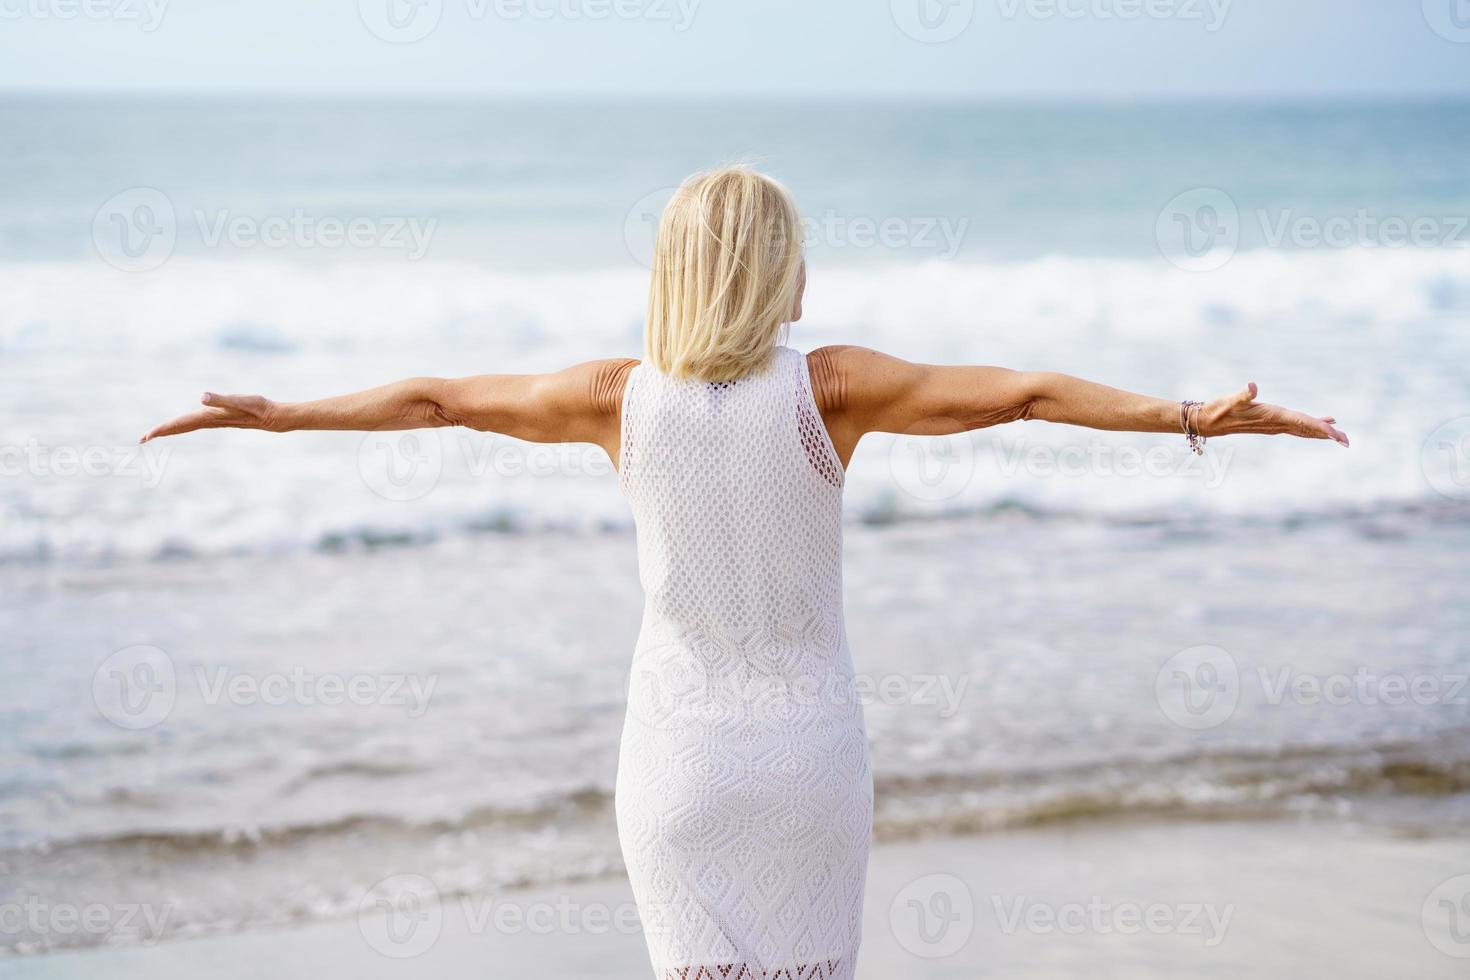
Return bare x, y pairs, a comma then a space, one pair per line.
744, 793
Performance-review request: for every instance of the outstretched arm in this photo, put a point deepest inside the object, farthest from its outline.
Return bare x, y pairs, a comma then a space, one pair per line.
580, 404
860, 390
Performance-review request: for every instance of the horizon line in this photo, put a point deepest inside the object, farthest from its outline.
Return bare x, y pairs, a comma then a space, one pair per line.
653, 96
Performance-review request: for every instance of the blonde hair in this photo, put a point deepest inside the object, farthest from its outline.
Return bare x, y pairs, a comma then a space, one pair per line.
726, 268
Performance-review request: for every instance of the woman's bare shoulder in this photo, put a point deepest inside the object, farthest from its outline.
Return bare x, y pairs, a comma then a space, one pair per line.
844, 373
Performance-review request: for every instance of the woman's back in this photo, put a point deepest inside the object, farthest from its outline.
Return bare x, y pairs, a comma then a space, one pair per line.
744, 792
737, 495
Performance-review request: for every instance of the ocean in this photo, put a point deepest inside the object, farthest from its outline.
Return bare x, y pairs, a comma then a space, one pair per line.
410, 651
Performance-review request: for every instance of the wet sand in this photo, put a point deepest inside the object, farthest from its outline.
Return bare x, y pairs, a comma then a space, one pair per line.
1135, 899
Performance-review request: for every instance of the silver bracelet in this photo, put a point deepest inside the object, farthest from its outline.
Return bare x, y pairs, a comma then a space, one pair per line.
1191, 431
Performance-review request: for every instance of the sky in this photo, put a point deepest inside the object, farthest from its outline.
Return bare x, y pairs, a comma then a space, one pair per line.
1082, 49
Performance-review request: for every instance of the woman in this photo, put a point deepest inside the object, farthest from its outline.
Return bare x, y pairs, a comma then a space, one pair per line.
744, 796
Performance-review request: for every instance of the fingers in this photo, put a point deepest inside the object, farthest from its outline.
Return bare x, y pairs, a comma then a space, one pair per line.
1322, 428
1247, 394
239, 403
182, 424
1332, 433
213, 417
1316, 428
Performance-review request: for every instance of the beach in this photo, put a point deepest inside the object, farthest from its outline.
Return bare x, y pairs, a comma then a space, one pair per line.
251, 677
1129, 899
479, 750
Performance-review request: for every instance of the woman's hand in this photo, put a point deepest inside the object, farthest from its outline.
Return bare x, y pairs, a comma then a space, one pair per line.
1240, 413
224, 412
